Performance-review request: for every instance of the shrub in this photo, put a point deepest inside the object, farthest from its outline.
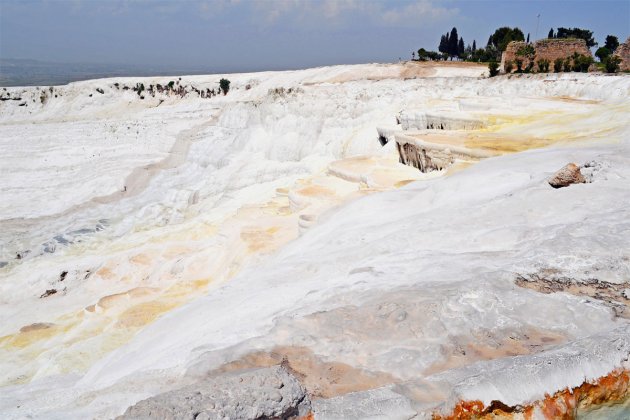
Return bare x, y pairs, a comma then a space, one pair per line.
493, 66
530, 67
612, 64
519, 65
581, 62
557, 65
586, 62
224, 84
567, 64
509, 66
543, 65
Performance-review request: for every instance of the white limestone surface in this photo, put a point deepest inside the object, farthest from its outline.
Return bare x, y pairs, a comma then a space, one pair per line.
198, 261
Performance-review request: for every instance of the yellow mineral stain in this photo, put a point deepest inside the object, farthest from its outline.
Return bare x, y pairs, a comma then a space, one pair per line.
404, 182
143, 313
116, 299
259, 239
141, 259
315, 191
105, 273
183, 289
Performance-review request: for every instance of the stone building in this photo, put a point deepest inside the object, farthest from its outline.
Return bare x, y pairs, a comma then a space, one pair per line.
623, 52
549, 49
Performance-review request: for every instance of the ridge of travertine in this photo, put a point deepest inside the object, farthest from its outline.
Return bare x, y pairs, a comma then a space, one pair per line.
244, 245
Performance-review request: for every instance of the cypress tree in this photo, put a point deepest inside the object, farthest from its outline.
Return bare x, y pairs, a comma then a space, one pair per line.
460, 48
474, 47
453, 43
443, 44
550, 34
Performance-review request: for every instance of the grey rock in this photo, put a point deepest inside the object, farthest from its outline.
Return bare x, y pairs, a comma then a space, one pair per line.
379, 403
268, 393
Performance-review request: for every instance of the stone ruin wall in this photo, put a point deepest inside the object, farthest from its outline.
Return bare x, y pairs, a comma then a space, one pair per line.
623, 52
549, 49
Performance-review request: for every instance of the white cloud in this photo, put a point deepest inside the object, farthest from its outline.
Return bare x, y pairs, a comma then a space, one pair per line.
387, 13
419, 11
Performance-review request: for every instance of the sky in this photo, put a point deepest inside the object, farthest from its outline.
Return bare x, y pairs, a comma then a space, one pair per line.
250, 35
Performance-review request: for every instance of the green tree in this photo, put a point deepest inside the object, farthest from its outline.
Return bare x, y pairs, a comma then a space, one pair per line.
474, 46
493, 67
550, 34
602, 53
460, 48
224, 84
612, 42
557, 65
611, 63
443, 48
503, 36
453, 40
578, 33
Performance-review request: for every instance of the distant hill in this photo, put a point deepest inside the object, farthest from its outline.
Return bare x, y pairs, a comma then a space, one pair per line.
27, 72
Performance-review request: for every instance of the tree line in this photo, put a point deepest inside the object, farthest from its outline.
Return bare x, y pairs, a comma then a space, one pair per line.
452, 46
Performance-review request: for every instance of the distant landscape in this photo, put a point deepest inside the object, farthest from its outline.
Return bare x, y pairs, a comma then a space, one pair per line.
26, 72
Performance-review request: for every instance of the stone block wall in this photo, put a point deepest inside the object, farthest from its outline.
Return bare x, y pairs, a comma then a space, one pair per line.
549, 49
623, 52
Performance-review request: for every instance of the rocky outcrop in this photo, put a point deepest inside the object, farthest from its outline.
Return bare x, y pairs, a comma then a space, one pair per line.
427, 156
446, 120
569, 174
623, 52
549, 49
269, 393
425, 159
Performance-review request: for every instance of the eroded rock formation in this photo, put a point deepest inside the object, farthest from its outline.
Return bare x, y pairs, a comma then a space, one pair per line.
270, 393
425, 159
569, 174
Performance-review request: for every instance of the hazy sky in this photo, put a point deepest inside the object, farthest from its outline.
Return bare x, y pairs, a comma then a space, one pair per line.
274, 34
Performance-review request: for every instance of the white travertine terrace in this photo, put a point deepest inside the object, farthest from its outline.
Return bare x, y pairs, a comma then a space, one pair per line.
195, 232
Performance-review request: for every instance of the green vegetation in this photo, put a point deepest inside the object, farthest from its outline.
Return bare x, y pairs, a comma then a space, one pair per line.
611, 64
581, 62
493, 66
566, 65
452, 45
543, 65
577, 33
612, 42
557, 65
602, 53
503, 36
224, 84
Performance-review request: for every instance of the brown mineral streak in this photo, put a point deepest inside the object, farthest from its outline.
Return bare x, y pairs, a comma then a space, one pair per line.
563, 405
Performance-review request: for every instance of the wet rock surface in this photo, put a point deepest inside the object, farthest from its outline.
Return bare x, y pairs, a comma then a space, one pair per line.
270, 393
